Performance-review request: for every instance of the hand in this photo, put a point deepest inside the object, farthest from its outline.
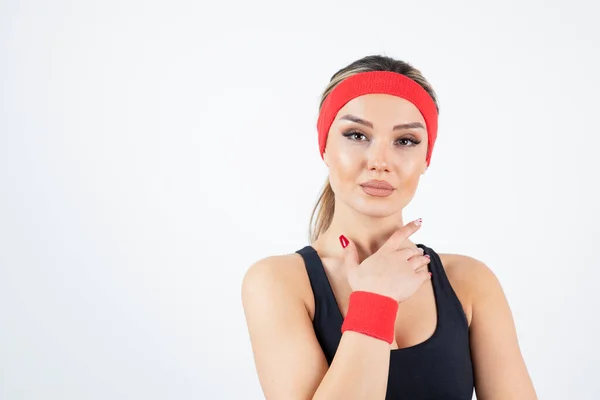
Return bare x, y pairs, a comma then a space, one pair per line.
394, 270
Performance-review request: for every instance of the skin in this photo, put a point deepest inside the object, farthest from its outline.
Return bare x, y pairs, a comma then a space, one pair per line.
276, 293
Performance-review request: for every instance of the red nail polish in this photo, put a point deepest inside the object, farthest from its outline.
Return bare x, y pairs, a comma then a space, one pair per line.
343, 241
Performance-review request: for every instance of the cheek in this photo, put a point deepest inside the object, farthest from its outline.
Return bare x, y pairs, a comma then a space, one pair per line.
413, 182
344, 169
408, 172
345, 156
345, 161
410, 179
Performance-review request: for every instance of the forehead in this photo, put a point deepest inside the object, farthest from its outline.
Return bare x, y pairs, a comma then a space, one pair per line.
382, 109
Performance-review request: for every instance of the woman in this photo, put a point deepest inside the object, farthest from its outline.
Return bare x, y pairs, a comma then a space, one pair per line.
363, 312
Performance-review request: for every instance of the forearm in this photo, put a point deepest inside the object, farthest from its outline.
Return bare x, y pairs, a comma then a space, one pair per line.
359, 369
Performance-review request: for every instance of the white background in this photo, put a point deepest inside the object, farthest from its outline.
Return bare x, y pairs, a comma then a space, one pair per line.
150, 152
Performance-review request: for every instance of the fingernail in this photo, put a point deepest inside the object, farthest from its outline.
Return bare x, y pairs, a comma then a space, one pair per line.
343, 241
418, 221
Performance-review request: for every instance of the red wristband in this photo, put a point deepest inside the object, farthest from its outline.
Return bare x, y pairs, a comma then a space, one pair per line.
371, 314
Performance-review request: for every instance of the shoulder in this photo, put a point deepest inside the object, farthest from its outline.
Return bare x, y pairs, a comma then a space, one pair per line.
500, 371
274, 276
466, 268
470, 278
271, 270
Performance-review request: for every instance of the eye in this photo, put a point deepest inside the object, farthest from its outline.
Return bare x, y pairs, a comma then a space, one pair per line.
408, 141
354, 135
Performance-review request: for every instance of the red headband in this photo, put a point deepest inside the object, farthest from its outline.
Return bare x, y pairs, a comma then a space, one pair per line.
378, 82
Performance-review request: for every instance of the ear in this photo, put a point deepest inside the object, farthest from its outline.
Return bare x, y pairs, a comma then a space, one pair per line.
424, 168
325, 159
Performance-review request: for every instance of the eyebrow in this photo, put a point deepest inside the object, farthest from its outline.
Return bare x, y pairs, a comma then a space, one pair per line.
411, 125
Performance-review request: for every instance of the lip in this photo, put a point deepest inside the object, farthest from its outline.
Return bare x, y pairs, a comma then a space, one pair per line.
377, 188
375, 184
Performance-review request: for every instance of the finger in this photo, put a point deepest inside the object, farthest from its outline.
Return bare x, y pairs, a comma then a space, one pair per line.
417, 262
398, 237
424, 275
349, 252
409, 252
422, 268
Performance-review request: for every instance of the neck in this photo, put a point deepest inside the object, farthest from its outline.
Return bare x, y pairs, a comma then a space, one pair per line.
366, 232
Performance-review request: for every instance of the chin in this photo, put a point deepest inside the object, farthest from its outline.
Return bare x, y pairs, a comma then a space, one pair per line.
376, 208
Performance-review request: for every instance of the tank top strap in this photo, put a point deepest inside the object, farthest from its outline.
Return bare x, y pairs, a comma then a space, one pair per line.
326, 306
449, 306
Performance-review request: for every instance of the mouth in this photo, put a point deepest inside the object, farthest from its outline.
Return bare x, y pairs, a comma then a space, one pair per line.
378, 184
377, 188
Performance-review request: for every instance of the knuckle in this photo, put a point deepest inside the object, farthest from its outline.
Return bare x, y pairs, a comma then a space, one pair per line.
414, 263
406, 253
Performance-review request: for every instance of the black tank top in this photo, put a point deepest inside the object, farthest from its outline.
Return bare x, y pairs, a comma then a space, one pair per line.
438, 368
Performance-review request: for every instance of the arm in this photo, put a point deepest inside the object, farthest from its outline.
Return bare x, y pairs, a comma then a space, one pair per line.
289, 360
500, 371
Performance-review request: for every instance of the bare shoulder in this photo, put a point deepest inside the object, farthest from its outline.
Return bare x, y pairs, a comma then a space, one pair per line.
500, 371
271, 267
470, 278
288, 357
276, 275
465, 268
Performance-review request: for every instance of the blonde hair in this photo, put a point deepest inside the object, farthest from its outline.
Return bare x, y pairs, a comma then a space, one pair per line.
322, 212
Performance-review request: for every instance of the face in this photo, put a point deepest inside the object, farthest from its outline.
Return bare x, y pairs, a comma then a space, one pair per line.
376, 137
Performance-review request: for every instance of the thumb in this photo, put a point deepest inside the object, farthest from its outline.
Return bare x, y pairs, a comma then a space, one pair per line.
350, 253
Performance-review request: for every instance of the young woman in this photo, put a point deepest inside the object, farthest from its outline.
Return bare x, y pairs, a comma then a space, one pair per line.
363, 312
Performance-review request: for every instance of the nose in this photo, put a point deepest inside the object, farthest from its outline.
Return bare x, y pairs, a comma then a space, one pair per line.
378, 157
